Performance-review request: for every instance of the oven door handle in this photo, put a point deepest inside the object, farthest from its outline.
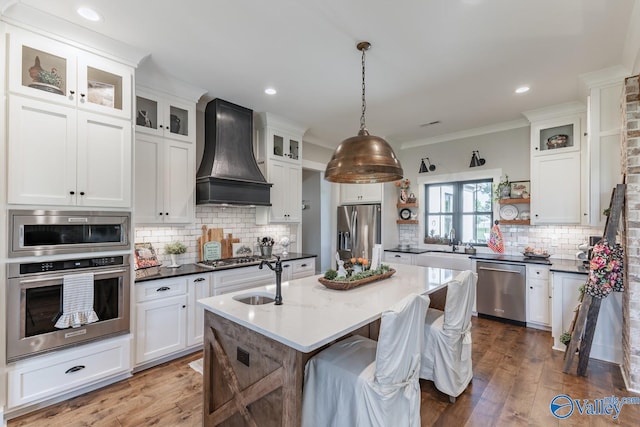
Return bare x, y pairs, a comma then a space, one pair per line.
46, 279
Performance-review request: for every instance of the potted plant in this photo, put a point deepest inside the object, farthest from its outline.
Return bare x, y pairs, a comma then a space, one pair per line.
503, 189
174, 249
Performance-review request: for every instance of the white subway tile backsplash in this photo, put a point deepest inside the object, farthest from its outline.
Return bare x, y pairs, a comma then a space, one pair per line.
238, 221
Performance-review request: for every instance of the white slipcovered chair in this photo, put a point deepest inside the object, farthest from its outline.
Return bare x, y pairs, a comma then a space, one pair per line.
358, 382
446, 352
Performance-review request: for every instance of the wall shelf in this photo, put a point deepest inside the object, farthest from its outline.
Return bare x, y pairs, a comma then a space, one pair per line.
515, 222
406, 221
407, 205
513, 201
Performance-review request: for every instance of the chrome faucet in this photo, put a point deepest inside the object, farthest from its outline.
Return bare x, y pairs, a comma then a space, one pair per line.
452, 239
278, 270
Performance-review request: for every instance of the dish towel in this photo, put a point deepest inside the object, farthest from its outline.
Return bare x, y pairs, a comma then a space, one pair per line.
77, 301
496, 243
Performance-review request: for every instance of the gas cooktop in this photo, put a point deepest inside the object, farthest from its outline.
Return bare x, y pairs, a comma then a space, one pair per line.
231, 262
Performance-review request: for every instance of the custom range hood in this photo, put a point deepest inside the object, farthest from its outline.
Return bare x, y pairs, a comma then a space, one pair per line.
228, 173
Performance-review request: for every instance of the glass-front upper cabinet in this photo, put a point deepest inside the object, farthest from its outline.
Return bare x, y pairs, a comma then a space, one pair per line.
164, 116
53, 71
285, 146
556, 135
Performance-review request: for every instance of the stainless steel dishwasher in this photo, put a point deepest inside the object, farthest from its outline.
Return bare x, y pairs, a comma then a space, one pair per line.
501, 291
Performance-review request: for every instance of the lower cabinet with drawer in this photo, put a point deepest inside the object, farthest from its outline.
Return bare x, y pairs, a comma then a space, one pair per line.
168, 319
45, 377
399, 258
538, 297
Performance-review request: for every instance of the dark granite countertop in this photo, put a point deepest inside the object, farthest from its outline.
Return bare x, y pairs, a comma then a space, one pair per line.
407, 250
188, 269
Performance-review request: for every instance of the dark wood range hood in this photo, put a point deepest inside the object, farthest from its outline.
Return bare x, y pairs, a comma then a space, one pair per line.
229, 173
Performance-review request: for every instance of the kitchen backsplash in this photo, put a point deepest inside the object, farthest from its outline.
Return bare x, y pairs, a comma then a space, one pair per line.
561, 241
240, 221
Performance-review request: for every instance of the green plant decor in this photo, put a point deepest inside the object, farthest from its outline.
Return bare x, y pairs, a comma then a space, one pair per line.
565, 338
505, 183
360, 275
330, 274
50, 78
175, 248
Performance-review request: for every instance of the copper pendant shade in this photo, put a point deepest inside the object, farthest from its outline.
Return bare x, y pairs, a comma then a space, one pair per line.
364, 158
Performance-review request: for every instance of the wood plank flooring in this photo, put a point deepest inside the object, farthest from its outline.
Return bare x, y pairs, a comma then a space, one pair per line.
516, 374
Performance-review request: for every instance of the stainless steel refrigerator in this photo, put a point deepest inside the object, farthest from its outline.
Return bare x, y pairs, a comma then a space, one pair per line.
358, 230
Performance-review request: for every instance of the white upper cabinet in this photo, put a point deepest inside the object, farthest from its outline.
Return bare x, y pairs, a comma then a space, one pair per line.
558, 165
360, 193
279, 152
49, 70
69, 158
165, 116
70, 125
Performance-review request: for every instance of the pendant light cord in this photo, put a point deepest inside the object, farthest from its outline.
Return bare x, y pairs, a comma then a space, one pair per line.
364, 102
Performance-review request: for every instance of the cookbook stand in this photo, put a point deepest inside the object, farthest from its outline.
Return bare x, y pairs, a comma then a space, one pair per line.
584, 323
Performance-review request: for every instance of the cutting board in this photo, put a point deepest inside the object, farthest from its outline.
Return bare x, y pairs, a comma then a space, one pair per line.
227, 246
210, 244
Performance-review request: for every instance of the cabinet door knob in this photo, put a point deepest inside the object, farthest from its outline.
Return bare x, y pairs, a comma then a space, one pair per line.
184, 306
72, 92
536, 148
82, 193
166, 213
160, 213
82, 95
72, 192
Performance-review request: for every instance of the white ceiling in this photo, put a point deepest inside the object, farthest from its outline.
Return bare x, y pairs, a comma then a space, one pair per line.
457, 61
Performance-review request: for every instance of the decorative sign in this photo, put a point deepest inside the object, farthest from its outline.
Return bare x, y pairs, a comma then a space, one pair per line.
212, 251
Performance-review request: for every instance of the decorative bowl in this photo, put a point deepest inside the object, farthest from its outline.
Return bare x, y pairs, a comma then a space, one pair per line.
557, 141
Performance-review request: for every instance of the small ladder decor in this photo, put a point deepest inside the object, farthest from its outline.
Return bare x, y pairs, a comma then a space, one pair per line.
584, 324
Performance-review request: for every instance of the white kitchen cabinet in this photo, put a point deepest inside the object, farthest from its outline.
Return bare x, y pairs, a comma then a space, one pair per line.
279, 153
559, 172
605, 128
53, 71
556, 189
48, 376
199, 286
399, 258
286, 192
538, 296
360, 193
161, 318
298, 268
165, 116
70, 158
278, 139
165, 180
237, 279
607, 338
303, 268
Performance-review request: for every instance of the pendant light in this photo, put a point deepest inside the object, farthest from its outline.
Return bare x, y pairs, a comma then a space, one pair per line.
363, 158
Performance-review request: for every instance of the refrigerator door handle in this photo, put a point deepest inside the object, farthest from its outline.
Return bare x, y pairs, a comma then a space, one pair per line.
354, 227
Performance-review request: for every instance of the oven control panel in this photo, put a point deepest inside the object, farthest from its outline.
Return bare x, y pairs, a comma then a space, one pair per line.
71, 264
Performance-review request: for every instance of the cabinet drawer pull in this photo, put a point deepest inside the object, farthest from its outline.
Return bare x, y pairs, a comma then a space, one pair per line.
398, 256
74, 369
163, 289
303, 265
200, 279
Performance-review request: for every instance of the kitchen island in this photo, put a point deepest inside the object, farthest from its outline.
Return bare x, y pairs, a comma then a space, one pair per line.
254, 355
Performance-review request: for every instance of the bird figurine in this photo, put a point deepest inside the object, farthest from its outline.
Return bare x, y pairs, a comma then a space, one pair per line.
34, 72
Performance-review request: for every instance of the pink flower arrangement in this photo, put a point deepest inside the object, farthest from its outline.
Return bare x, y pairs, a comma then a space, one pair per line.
605, 270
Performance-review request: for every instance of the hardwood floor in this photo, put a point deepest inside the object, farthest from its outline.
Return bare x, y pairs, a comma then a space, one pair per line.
516, 374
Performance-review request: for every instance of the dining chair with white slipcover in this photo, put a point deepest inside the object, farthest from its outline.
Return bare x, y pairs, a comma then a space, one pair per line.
358, 382
446, 351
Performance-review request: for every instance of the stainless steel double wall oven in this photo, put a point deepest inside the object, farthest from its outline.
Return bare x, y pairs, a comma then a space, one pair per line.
49, 246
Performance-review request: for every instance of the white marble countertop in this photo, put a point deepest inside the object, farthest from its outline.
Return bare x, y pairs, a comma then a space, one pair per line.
312, 315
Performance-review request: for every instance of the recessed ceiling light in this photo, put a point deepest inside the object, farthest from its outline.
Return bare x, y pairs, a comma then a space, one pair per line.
270, 91
89, 14
522, 89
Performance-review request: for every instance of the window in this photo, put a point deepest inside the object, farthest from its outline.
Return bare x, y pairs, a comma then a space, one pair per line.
464, 206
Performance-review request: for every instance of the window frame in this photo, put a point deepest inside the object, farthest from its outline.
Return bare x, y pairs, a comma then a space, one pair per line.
457, 213
470, 175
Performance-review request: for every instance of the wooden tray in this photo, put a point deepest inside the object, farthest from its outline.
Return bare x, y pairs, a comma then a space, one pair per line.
344, 286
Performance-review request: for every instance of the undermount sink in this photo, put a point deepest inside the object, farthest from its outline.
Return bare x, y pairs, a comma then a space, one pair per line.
254, 298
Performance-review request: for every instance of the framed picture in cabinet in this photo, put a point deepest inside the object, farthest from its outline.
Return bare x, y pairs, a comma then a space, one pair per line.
520, 189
